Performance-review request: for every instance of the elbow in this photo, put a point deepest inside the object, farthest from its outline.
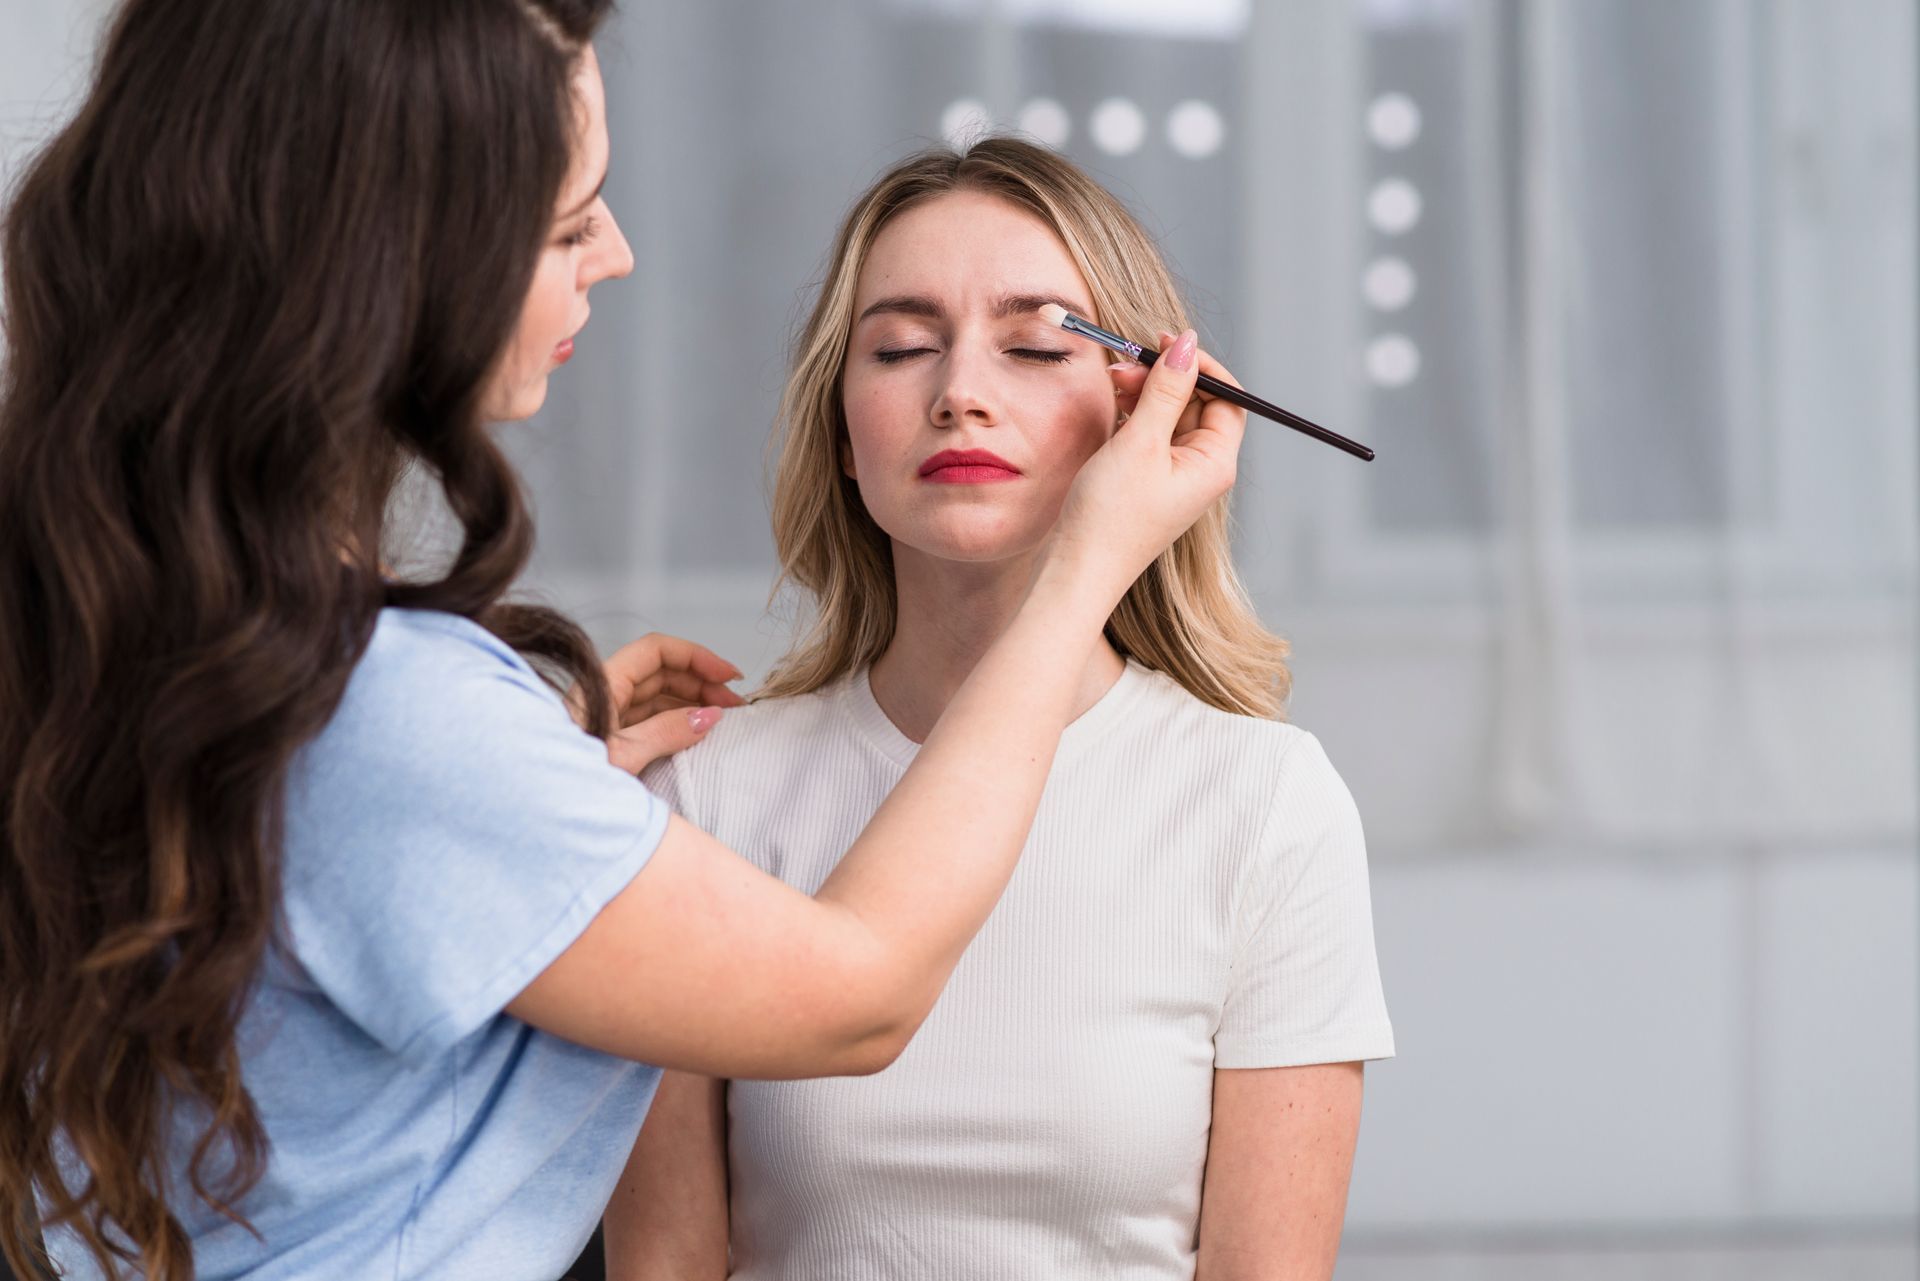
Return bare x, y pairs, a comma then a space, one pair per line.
840, 1048
882, 1007
873, 1043
875, 1053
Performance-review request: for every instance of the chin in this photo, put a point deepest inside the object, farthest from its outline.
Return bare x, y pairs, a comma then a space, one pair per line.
524, 402
530, 399
975, 545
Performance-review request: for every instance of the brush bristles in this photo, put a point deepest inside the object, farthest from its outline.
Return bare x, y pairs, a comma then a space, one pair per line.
1053, 313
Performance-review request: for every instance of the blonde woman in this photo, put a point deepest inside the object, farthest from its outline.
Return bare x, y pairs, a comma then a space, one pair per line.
1149, 1062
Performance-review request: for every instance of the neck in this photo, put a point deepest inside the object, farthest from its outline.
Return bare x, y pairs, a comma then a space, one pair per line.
949, 615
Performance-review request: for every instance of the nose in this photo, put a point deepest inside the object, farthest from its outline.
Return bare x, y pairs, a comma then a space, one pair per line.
614, 259
966, 395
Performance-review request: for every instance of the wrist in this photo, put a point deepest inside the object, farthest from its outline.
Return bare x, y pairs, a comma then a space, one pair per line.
1079, 583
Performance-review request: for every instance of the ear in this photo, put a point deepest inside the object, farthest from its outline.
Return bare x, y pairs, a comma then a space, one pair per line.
847, 468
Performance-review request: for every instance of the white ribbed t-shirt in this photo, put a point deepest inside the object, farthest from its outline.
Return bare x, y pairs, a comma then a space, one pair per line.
1193, 896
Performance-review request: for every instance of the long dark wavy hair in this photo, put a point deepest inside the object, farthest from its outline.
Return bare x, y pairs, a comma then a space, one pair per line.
270, 265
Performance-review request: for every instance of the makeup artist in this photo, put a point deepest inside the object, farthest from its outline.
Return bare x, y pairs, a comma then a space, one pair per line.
330, 943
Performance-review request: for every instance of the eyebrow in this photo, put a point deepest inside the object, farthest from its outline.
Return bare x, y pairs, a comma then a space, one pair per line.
1006, 305
591, 197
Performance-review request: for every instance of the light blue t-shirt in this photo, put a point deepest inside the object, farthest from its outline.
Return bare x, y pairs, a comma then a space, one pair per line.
448, 835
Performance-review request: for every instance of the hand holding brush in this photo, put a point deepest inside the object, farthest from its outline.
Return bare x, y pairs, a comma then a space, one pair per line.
1055, 314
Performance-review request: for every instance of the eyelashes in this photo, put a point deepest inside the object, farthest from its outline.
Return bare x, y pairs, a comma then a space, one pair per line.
1035, 355
588, 230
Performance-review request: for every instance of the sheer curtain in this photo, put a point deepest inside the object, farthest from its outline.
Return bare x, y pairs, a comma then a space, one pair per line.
1643, 410
1614, 642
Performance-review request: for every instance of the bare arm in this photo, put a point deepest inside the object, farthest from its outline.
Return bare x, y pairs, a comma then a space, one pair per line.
704, 963
668, 1217
1278, 1163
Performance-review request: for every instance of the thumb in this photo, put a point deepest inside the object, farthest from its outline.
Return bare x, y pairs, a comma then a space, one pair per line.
1168, 387
638, 746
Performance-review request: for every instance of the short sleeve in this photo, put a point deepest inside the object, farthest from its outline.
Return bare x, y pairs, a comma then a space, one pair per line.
667, 779
1305, 983
449, 834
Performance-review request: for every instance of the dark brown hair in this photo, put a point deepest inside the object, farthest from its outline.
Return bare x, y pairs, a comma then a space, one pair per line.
271, 263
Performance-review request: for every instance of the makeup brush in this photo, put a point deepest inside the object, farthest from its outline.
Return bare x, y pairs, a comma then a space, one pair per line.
1054, 314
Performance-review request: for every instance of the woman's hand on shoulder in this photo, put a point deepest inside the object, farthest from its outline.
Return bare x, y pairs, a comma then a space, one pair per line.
667, 693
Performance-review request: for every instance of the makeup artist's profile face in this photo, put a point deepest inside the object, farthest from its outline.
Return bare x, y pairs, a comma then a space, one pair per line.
967, 414
584, 247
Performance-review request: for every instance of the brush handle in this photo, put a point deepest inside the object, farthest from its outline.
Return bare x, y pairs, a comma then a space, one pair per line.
1266, 409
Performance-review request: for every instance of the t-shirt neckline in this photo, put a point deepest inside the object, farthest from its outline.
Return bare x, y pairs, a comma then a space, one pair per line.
1086, 730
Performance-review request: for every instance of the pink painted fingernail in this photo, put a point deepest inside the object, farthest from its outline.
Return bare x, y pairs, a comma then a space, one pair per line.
703, 719
1180, 355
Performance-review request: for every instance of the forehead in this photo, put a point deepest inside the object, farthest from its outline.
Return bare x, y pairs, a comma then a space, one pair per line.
590, 142
967, 247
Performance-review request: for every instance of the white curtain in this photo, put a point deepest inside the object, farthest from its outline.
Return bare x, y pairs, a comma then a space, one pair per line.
1636, 560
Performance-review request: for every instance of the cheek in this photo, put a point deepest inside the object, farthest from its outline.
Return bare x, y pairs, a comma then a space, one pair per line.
1083, 420
543, 318
879, 423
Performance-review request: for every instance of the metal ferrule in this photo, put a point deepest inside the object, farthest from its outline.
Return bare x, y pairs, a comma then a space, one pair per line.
1114, 342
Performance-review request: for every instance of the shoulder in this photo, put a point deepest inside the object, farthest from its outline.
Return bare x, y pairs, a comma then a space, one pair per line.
765, 721
766, 744
1168, 710
766, 732
447, 742
1268, 765
434, 688
418, 654
416, 649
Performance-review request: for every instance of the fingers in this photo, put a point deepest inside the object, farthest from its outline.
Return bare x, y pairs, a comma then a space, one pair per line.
1128, 377
1189, 421
641, 708
1209, 439
685, 688
1214, 369
663, 734
1208, 366
642, 670
642, 657
1208, 431
1166, 390
1192, 418
654, 706
1171, 458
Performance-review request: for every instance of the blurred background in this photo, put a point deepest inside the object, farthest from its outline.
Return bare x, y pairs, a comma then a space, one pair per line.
1615, 643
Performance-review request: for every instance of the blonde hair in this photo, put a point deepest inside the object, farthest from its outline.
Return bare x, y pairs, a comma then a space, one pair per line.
1187, 616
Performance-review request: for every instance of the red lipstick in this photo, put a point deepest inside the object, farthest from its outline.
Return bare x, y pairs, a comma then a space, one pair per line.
967, 467
563, 351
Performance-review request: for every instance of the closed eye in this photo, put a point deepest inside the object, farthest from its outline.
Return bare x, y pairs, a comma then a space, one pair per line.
1042, 355
895, 355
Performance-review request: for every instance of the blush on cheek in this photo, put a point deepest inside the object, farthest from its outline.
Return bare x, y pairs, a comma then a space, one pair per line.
1096, 423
